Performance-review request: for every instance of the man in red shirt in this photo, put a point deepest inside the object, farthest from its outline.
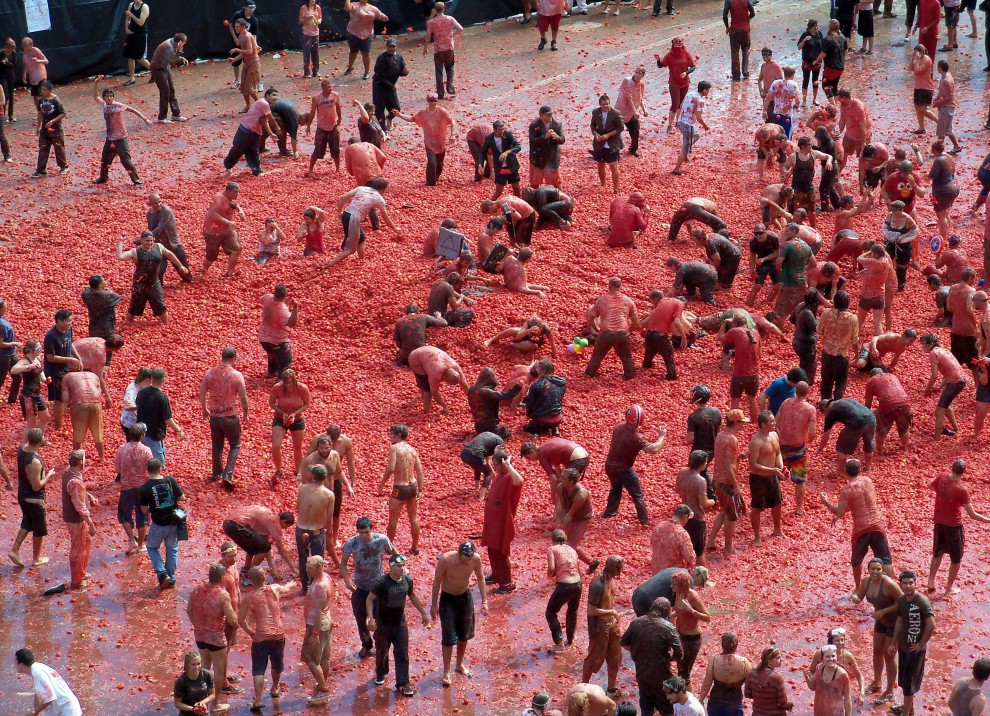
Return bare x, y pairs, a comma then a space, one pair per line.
437, 126
627, 218
500, 518
859, 497
616, 316
893, 406
929, 14
797, 424
224, 385
745, 343
626, 444
659, 325
737, 28
951, 498
671, 543
905, 185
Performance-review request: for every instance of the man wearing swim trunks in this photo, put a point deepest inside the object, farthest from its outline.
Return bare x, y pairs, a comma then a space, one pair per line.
319, 627
314, 503
692, 487
797, 424
893, 406
431, 366
406, 472
219, 230
475, 455
913, 630
254, 529
954, 380
859, 498
725, 463
262, 602
210, 612
951, 498
326, 108
766, 468
453, 603
858, 423
965, 323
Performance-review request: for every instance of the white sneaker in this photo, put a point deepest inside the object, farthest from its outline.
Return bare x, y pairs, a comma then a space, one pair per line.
180, 119
164, 121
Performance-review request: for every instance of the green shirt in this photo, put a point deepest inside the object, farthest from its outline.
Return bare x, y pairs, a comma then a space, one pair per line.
795, 255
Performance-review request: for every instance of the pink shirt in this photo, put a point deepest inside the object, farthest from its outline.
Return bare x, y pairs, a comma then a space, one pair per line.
442, 27
874, 276
923, 73
274, 320
363, 161
549, 8
362, 22
252, 120
614, 311
326, 111
565, 562
113, 115
793, 420
222, 206
36, 71
630, 99
312, 18
223, 385
266, 613
436, 126
671, 547
131, 463
860, 498
81, 387
947, 365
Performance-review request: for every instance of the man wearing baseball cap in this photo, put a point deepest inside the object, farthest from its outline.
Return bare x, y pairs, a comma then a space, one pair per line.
389, 67
390, 628
627, 443
453, 603
437, 126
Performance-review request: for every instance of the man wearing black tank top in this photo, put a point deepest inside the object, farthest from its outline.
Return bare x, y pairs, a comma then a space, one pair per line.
148, 256
31, 480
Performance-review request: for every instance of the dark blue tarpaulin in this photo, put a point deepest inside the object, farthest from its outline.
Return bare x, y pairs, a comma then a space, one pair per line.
87, 36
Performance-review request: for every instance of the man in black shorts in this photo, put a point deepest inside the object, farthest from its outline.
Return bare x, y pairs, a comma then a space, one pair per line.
254, 529
148, 257
763, 250
951, 498
954, 379
60, 358
453, 603
766, 468
695, 209
914, 628
31, 480
858, 423
503, 147
476, 454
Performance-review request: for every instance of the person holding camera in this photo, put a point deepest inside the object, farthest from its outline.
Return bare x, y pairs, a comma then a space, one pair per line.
162, 499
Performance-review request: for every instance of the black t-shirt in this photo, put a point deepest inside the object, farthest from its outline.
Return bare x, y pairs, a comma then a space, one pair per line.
391, 596
913, 613
764, 248
288, 114
659, 585
153, 409
102, 316
695, 273
805, 324
813, 48
704, 423
192, 691
851, 413
835, 52
58, 344
439, 299
50, 108
161, 495
252, 21
718, 244
484, 445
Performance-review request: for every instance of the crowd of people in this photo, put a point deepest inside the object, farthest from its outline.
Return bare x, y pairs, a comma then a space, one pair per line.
813, 281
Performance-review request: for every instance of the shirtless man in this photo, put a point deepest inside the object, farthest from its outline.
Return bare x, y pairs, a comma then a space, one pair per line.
770, 142
363, 160
892, 344
872, 166
554, 456
319, 627
797, 422
328, 457
406, 472
431, 366
343, 446
772, 200
697, 208
573, 512
849, 210
724, 466
766, 468
603, 625
520, 217
315, 506
248, 52
453, 603
598, 701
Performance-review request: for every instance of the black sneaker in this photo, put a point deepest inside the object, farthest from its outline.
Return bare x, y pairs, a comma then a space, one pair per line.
364, 653
543, 43
230, 690
489, 579
101, 180
948, 432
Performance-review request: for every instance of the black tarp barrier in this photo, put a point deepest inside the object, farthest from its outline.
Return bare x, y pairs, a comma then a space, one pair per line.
87, 36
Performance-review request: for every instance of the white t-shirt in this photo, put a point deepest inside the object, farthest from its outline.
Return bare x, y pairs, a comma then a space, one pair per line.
693, 707
129, 417
693, 103
49, 686
785, 94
